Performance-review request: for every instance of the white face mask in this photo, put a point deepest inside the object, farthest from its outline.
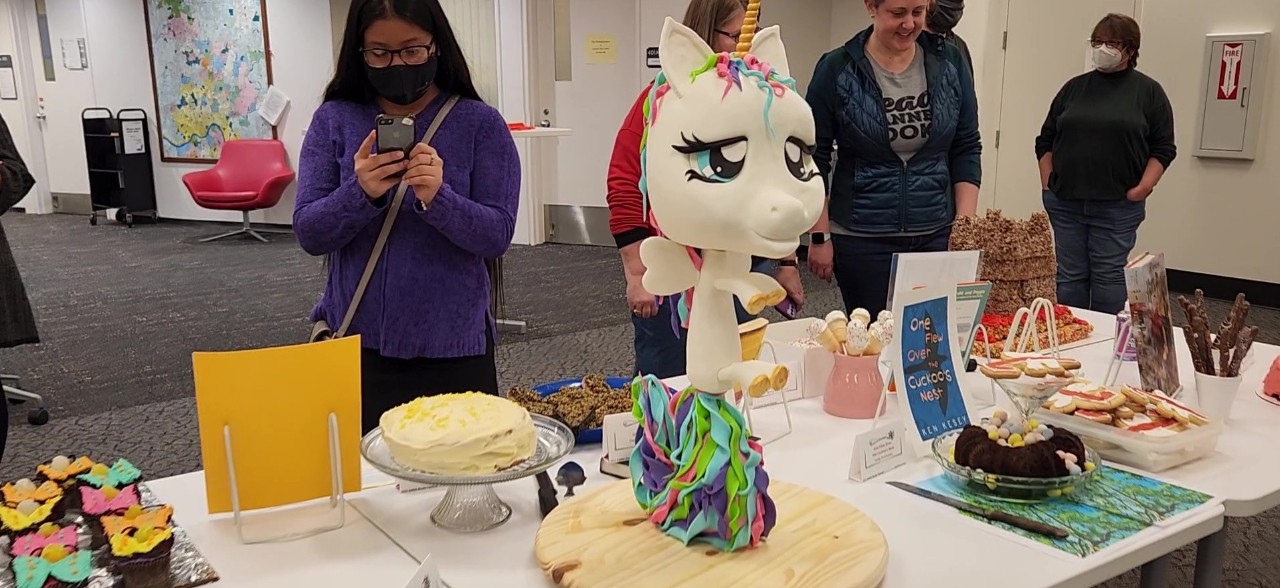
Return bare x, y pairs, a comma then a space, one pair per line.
1105, 58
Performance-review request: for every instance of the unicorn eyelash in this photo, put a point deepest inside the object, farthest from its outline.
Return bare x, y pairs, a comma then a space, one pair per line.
695, 145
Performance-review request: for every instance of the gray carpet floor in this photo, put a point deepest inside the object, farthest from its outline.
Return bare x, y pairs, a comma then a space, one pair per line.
121, 310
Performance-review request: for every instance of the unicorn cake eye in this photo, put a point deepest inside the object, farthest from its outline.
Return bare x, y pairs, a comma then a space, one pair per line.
716, 162
800, 159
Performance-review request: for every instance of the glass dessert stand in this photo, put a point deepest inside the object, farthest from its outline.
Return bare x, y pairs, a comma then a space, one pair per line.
470, 505
1028, 393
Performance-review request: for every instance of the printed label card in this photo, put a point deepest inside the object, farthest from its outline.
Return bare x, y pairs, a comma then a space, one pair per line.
927, 352
877, 451
619, 436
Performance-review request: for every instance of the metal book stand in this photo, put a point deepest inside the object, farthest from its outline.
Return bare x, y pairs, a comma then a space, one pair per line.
742, 401
336, 500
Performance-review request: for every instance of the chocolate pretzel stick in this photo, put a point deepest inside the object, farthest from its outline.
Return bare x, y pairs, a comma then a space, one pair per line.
1193, 345
1223, 345
1235, 320
1200, 301
1186, 308
1202, 345
1242, 349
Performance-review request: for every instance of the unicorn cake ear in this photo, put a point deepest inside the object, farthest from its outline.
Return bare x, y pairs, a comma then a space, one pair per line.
681, 52
767, 47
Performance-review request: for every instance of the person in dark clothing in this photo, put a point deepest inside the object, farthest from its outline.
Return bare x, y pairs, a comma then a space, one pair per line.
1103, 148
17, 324
899, 103
943, 18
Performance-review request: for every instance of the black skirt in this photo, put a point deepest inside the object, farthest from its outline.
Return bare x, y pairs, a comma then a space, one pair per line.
387, 382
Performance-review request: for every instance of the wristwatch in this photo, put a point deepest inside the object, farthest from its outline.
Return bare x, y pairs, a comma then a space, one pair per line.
819, 238
788, 263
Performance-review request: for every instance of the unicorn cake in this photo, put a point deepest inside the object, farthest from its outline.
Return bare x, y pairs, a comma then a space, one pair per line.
728, 173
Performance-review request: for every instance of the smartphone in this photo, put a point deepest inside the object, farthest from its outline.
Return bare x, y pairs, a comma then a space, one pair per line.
789, 309
395, 133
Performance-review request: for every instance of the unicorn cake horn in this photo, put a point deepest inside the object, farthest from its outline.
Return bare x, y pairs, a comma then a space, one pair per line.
749, 27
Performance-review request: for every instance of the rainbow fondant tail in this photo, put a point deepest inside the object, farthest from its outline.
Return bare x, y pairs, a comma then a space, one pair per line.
696, 470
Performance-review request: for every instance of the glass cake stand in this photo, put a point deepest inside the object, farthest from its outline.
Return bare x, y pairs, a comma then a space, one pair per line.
470, 505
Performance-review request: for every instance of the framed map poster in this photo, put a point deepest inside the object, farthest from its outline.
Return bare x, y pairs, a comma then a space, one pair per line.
210, 69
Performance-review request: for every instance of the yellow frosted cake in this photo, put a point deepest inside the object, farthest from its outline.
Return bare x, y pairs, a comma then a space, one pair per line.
459, 434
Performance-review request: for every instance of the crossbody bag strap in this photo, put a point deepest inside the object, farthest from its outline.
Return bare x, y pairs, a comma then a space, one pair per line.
396, 202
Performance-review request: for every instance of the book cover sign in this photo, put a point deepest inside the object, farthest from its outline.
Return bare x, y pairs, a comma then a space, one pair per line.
928, 355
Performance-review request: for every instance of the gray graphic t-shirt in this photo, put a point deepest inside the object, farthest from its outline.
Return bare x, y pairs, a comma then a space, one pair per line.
907, 104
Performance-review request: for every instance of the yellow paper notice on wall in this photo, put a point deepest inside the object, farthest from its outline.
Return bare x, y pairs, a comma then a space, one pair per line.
601, 49
277, 403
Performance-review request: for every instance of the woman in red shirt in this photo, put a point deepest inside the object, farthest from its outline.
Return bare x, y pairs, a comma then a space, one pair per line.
659, 339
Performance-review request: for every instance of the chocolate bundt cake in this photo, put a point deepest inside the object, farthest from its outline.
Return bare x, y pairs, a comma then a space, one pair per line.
974, 448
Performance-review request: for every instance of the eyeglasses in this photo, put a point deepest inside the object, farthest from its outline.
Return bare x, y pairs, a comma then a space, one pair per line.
1117, 45
412, 55
732, 36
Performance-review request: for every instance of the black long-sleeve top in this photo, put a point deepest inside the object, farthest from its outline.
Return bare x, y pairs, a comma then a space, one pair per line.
15, 181
1102, 129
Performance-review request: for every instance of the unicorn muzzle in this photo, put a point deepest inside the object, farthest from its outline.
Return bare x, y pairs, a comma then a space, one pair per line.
779, 216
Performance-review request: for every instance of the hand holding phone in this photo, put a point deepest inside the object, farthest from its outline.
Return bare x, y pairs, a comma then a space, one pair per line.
789, 308
395, 133
378, 173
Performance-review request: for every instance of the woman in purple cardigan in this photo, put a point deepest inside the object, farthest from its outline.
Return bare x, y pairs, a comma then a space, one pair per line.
424, 322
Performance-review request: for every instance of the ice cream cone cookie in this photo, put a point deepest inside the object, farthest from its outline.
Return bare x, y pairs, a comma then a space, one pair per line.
879, 337
828, 340
860, 315
1092, 397
839, 325
859, 341
1098, 416
1061, 404
1124, 412
884, 316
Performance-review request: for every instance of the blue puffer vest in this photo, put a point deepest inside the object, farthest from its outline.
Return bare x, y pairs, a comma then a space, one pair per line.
873, 191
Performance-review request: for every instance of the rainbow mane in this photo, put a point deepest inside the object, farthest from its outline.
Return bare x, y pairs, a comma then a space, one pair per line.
732, 70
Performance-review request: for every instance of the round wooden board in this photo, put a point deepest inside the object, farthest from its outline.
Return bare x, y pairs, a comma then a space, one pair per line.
603, 539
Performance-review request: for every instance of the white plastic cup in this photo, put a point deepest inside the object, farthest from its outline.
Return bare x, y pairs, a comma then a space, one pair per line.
1216, 395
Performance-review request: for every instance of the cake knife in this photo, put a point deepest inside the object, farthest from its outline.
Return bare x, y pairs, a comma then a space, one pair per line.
987, 513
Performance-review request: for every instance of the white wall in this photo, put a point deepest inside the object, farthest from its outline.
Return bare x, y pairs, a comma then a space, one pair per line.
12, 110
1209, 216
302, 62
848, 18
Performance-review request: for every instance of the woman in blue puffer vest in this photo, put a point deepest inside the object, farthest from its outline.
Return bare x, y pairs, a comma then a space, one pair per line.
898, 103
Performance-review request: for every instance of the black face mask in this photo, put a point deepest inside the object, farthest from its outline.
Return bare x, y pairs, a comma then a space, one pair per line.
403, 84
946, 15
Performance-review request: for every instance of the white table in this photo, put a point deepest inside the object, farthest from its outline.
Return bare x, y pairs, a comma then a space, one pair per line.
356, 555
929, 543
1244, 471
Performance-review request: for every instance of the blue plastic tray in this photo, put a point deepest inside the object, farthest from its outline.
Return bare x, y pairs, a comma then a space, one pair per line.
591, 436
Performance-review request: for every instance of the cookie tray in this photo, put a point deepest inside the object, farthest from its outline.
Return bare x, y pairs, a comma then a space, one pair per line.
1153, 454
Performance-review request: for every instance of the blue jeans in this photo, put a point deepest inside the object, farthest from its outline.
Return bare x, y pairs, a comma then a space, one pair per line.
659, 340
863, 265
1093, 239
